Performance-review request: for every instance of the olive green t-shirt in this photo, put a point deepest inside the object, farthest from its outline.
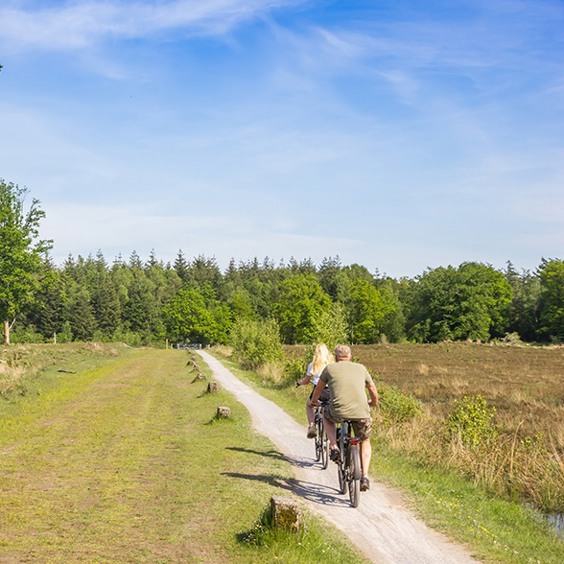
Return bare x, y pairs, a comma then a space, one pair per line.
347, 381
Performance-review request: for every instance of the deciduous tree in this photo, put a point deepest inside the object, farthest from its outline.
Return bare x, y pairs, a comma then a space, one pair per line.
189, 318
552, 300
468, 302
21, 252
300, 302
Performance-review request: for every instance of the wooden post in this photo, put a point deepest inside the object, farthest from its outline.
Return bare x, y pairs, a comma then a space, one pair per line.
286, 513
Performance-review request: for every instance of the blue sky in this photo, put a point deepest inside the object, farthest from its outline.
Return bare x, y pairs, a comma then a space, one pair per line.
400, 135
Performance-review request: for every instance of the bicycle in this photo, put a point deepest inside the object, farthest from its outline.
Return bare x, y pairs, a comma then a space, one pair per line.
348, 467
321, 440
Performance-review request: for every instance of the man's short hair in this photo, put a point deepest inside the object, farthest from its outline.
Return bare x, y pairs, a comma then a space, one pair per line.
342, 351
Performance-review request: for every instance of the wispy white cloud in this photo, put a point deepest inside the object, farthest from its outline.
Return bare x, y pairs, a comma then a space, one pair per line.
80, 24
439, 129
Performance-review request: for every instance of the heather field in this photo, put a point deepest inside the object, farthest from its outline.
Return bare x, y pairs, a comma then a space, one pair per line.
511, 438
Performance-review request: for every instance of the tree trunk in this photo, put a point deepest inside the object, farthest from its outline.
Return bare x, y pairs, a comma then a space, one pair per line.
7, 327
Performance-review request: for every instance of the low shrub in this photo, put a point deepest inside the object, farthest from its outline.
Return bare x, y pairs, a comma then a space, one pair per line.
26, 334
256, 342
471, 421
295, 367
397, 407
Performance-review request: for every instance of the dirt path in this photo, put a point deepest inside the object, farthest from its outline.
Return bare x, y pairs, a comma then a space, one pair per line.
381, 526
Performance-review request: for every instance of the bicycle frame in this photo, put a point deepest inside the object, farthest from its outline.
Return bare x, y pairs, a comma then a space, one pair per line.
349, 468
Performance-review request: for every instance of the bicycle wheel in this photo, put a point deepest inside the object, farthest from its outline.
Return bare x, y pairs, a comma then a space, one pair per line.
324, 448
341, 441
343, 483
318, 437
354, 474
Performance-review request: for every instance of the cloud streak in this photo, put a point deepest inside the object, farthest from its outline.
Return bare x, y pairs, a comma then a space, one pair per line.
436, 133
80, 25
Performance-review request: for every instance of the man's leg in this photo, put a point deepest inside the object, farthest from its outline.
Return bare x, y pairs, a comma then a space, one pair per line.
365, 455
363, 430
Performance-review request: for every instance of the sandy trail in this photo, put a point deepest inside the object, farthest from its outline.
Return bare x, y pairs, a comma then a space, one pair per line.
381, 526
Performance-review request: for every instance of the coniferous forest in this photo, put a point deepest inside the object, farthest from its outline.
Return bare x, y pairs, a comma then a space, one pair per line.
144, 302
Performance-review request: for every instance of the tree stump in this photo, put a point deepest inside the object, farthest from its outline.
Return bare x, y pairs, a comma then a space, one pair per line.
213, 387
286, 514
223, 412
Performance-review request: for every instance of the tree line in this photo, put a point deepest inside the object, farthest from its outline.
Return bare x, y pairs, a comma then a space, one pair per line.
145, 302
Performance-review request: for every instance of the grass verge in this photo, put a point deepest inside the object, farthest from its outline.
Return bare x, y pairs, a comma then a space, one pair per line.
123, 461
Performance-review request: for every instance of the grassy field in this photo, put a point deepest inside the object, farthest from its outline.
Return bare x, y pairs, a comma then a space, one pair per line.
519, 452
109, 454
497, 526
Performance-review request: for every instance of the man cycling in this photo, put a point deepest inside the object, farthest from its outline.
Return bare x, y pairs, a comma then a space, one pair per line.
347, 381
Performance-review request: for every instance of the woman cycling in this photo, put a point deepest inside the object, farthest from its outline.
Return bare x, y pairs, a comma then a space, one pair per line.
321, 358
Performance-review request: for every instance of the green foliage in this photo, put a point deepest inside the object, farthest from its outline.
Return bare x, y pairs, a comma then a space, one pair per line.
189, 319
20, 252
525, 304
512, 339
471, 421
473, 301
468, 302
26, 334
301, 301
65, 336
367, 311
129, 338
106, 304
552, 299
393, 323
295, 367
397, 407
79, 313
256, 343
330, 326
241, 304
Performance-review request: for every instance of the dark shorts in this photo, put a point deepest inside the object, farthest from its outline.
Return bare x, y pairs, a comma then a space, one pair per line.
362, 427
324, 397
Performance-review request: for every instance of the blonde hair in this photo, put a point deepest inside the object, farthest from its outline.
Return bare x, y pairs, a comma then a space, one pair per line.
321, 358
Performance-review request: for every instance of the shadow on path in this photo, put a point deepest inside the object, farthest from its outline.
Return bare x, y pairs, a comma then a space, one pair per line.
316, 493
293, 460
268, 453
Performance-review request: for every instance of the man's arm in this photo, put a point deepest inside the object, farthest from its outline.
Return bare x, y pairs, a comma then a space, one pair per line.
316, 393
373, 393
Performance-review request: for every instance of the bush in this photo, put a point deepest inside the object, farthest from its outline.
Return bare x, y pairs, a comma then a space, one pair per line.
397, 407
294, 369
65, 335
256, 343
26, 334
512, 339
130, 338
471, 421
